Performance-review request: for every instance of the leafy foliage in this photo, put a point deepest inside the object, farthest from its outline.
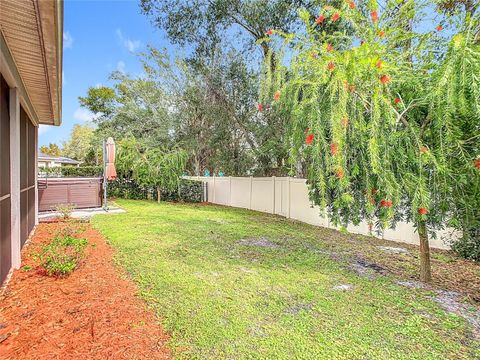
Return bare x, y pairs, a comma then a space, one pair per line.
65, 210
190, 191
73, 171
63, 253
379, 116
51, 149
79, 145
150, 166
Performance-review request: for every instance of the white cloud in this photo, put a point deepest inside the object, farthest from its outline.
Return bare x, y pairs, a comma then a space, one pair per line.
121, 67
42, 129
131, 45
84, 115
67, 40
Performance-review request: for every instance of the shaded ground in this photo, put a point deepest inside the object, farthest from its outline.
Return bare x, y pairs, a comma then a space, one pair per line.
92, 314
232, 283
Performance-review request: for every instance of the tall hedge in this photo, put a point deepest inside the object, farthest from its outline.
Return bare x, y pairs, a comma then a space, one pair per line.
73, 171
187, 191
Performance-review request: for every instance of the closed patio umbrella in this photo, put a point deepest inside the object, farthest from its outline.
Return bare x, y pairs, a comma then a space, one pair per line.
110, 172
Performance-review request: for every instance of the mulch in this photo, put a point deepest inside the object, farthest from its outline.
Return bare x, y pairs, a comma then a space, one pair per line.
93, 313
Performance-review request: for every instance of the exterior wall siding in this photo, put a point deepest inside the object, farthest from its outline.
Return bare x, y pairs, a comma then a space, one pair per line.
5, 204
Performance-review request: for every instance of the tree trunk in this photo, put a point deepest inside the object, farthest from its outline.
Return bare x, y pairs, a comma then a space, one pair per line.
425, 268
159, 193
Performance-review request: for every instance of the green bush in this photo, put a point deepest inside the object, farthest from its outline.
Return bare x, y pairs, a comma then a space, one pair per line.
73, 171
126, 189
63, 254
468, 247
187, 191
65, 210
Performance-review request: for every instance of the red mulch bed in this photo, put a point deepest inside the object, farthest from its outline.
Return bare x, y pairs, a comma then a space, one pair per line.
91, 314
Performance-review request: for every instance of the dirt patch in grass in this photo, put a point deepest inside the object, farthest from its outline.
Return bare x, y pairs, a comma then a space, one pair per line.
451, 301
449, 272
91, 314
260, 242
367, 269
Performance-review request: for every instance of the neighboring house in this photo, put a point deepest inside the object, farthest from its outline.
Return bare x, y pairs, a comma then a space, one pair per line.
48, 161
31, 44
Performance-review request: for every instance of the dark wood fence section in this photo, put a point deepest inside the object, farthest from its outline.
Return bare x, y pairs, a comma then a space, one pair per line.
5, 210
78, 192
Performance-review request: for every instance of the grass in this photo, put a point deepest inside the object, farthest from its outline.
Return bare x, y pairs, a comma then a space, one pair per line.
232, 283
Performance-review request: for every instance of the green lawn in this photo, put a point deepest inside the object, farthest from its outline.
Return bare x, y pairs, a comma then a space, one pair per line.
232, 283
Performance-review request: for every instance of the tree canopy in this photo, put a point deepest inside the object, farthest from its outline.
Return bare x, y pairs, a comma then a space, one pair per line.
379, 116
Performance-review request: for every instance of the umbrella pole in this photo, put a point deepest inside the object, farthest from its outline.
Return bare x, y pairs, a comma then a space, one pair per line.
105, 175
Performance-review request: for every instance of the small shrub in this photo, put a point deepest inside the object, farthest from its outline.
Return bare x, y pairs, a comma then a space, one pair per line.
468, 247
65, 210
62, 255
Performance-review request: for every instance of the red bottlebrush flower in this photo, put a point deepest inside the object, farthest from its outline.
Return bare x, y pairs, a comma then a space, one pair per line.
397, 101
335, 17
381, 34
344, 122
260, 107
331, 66
319, 19
423, 149
384, 79
423, 211
352, 5
379, 64
276, 96
374, 16
476, 163
386, 203
439, 28
333, 149
269, 32
339, 173
309, 139
329, 47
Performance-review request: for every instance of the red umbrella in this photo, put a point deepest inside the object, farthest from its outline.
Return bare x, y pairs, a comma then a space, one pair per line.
110, 172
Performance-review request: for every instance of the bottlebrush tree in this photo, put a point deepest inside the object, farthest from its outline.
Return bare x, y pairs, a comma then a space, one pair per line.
379, 115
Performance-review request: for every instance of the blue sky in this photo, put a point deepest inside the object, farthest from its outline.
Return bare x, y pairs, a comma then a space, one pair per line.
99, 37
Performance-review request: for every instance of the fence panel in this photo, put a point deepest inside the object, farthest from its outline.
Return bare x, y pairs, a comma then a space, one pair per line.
262, 195
288, 197
240, 188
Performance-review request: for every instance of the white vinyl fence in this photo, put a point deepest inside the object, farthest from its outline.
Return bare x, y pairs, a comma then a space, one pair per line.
288, 197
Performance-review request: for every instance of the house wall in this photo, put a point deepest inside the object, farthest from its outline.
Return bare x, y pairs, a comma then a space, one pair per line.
5, 193
288, 197
18, 189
